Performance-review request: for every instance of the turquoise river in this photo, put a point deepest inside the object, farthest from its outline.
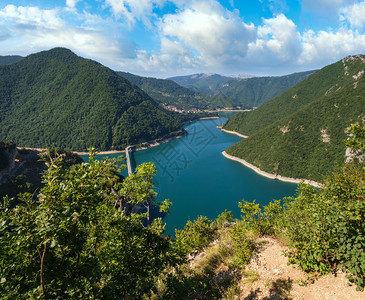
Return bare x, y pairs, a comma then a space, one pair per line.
199, 180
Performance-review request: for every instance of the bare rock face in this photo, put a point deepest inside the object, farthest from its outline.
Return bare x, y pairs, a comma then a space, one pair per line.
8, 160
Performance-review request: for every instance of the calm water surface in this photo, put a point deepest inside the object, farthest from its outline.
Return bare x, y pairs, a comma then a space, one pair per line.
199, 180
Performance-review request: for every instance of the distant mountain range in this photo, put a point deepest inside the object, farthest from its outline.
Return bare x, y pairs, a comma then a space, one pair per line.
169, 92
206, 83
300, 133
214, 91
57, 99
242, 91
252, 92
9, 59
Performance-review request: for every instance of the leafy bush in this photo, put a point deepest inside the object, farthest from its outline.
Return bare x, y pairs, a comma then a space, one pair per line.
69, 158
262, 222
195, 235
242, 246
326, 228
223, 220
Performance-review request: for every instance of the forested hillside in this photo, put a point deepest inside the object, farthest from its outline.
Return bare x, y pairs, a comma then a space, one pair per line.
56, 99
168, 92
252, 92
300, 133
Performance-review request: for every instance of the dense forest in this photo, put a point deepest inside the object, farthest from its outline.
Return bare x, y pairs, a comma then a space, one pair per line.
56, 99
299, 134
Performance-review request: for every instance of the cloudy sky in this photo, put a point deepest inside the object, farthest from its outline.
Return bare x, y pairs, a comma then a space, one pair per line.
163, 38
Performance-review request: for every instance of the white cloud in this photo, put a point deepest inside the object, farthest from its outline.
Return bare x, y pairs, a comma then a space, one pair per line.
32, 16
132, 10
216, 35
202, 36
71, 4
173, 56
354, 14
277, 42
325, 47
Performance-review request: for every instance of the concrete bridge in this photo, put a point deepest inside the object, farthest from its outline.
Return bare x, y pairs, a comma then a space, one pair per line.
129, 166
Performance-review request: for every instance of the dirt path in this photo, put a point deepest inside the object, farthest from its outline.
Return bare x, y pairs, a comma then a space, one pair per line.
269, 277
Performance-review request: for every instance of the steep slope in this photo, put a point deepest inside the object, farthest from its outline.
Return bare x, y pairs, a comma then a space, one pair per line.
307, 124
324, 82
253, 92
7, 153
168, 92
56, 99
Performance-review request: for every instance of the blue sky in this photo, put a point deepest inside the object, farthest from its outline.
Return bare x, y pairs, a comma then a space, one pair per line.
163, 38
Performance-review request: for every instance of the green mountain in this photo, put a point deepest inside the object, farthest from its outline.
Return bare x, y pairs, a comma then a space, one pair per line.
300, 133
205, 83
56, 99
169, 92
9, 59
252, 92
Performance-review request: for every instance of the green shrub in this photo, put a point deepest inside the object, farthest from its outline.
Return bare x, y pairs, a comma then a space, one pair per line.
223, 220
326, 228
242, 246
262, 222
195, 235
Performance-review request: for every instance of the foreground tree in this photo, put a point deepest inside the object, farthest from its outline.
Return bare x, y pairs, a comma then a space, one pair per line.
71, 242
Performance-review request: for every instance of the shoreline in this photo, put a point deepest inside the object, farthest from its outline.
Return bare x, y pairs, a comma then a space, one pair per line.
269, 175
208, 118
150, 145
229, 110
234, 132
77, 152
106, 152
